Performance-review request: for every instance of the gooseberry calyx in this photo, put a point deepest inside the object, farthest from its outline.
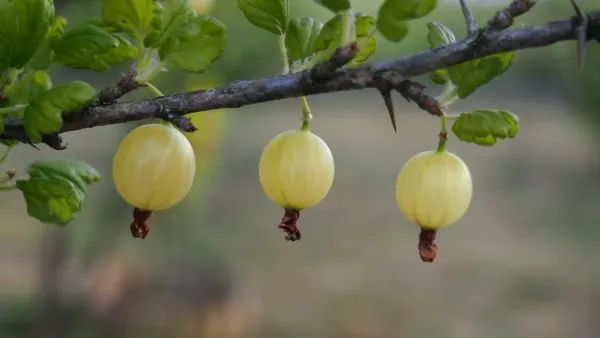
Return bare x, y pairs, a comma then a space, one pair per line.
433, 190
296, 171
153, 169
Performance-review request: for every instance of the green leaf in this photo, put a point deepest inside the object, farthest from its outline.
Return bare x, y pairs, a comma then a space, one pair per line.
29, 87
469, 76
335, 6
437, 36
23, 27
55, 190
300, 38
173, 21
44, 54
90, 46
131, 16
484, 127
197, 53
44, 115
271, 15
393, 14
329, 38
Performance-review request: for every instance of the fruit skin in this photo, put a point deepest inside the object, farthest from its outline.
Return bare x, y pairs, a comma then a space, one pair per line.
202, 6
434, 189
154, 167
296, 169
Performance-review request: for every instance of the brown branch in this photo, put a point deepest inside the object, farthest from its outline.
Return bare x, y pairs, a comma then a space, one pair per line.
392, 73
126, 85
506, 17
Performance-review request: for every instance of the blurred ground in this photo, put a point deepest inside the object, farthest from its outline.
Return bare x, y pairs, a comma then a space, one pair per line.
522, 262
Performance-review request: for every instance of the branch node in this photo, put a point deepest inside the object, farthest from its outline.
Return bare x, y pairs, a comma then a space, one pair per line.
506, 17
54, 141
413, 91
126, 85
326, 70
182, 123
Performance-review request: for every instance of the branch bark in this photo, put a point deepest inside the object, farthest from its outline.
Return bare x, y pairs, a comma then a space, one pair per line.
391, 73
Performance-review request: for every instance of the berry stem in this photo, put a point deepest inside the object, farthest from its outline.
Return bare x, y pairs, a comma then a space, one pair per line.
289, 224
154, 89
443, 135
348, 34
306, 115
139, 226
427, 247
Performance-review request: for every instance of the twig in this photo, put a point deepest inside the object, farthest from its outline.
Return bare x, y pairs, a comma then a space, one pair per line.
391, 72
469, 18
326, 70
126, 85
506, 17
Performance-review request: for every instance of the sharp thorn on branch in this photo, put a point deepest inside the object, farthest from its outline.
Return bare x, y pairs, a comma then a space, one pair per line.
469, 18
581, 22
386, 94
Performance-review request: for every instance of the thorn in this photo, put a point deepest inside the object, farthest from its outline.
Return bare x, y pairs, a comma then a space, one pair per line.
386, 94
581, 31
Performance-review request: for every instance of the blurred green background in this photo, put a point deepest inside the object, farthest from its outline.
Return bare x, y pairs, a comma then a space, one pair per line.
522, 262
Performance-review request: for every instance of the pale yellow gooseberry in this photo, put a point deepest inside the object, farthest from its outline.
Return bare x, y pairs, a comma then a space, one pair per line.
296, 171
434, 189
154, 166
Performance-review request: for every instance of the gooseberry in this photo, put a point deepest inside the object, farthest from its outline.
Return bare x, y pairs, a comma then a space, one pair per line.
433, 190
296, 171
153, 169
202, 6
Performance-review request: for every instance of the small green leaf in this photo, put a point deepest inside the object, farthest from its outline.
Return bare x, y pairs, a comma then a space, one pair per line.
471, 75
439, 35
23, 27
91, 47
44, 54
271, 15
28, 89
131, 16
44, 115
407, 9
335, 6
300, 38
197, 53
55, 190
393, 14
484, 127
329, 38
173, 21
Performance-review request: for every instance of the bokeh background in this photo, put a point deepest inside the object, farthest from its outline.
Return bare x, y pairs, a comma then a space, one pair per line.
522, 263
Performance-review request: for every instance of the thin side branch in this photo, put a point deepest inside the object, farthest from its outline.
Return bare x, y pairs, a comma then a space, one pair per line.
392, 73
506, 17
469, 18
